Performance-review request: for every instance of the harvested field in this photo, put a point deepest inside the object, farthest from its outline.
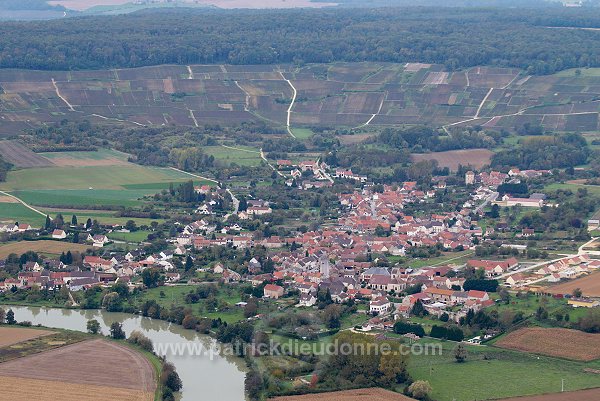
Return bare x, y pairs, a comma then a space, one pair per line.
367, 394
453, 158
20, 156
556, 342
46, 247
7, 199
87, 159
15, 335
94, 362
589, 285
591, 394
18, 389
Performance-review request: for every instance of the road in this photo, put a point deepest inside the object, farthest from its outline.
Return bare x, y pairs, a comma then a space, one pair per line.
493, 196
580, 251
236, 201
195, 175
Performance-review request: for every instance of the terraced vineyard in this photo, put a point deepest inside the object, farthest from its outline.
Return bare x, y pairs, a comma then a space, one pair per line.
341, 95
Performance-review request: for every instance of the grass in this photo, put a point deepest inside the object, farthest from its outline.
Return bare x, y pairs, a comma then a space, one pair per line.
303, 133
135, 236
12, 212
592, 189
456, 258
229, 156
100, 154
83, 178
227, 310
491, 373
584, 72
85, 187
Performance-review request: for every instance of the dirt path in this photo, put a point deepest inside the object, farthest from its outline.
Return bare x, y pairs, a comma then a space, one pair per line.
23, 203
376, 113
194, 175
483, 102
247, 104
289, 110
60, 96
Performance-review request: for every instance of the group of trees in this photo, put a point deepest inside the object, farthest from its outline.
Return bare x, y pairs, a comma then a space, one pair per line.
458, 38
4, 169
546, 152
422, 139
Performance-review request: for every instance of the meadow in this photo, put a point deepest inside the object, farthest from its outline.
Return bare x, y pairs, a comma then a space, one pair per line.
492, 373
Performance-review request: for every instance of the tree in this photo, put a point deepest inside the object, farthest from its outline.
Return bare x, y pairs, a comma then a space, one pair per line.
10, 317
418, 309
420, 389
2, 315
150, 277
88, 224
74, 221
189, 263
116, 331
577, 293
251, 308
48, 223
93, 326
460, 353
130, 225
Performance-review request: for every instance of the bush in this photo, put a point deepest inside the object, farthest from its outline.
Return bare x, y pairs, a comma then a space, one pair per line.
404, 328
139, 339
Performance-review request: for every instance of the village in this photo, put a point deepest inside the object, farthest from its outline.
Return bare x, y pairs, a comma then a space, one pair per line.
351, 260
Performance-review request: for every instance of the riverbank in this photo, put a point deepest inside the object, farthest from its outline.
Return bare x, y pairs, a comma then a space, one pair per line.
68, 365
207, 372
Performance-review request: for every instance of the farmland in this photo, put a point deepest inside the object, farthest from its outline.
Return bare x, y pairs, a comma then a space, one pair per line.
84, 180
88, 370
10, 336
493, 373
453, 158
20, 156
43, 247
592, 394
558, 342
589, 286
339, 94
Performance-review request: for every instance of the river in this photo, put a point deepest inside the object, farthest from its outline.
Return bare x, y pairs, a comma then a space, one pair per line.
208, 376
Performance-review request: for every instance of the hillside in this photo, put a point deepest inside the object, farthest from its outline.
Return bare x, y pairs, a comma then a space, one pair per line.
327, 95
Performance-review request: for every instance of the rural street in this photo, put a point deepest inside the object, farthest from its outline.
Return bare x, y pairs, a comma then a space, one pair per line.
493, 196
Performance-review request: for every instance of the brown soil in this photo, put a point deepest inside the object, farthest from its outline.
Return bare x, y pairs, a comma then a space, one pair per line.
557, 342
15, 335
44, 246
451, 159
19, 389
95, 362
589, 285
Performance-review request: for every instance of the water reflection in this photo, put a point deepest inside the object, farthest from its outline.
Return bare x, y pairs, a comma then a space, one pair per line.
204, 378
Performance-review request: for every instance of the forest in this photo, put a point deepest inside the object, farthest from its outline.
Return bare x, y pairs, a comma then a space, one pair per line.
455, 37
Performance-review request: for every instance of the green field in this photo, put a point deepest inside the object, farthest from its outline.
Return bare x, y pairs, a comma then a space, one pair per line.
243, 157
592, 189
491, 373
12, 212
303, 133
100, 154
121, 185
584, 72
135, 236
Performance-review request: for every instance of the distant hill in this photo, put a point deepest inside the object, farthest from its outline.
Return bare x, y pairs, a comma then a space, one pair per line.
28, 5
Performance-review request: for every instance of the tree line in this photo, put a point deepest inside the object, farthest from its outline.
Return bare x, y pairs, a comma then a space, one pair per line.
455, 37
